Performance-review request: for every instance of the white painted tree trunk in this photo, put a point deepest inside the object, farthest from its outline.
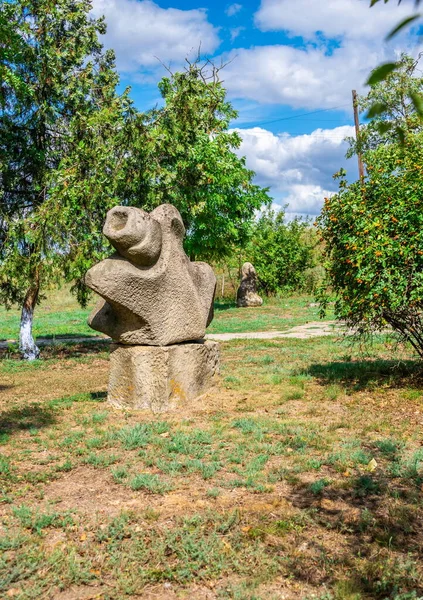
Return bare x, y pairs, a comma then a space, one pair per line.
27, 345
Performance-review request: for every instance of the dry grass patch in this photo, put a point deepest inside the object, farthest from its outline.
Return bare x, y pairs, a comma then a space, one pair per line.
300, 477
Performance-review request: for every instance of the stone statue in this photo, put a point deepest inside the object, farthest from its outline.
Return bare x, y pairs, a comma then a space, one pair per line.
154, 301
152, 294
247, 291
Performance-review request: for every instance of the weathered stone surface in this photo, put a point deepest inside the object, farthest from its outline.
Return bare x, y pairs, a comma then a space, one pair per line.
161, 378
247, 291
151, 293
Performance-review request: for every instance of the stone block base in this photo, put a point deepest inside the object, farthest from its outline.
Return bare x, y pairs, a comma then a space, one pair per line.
161, 378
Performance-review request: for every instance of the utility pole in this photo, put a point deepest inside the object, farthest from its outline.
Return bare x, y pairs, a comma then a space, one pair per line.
357, 135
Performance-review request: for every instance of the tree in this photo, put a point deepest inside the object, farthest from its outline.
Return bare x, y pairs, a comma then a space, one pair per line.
191, 162
282, 253
58, 99
373, 232
383, 71
399, 116
71, 148
181, 153
12, 45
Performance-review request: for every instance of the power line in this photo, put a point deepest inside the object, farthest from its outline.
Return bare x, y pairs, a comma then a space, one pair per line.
314, 112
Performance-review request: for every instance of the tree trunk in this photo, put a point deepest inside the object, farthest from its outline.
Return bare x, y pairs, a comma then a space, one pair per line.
27, 346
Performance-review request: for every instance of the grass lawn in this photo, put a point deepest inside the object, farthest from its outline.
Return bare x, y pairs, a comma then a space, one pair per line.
300, 477
60, 315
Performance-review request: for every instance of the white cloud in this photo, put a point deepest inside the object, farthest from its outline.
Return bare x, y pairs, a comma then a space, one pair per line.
235, 32
233, 9
139, 31
298, 169
333, 18
302, 78
343, 42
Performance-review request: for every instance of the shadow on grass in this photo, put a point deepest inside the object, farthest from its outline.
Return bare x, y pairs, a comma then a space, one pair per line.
221, 305
359, 375
64, 350
382, 517
98, 396
67, 336
5, 387
28, 417
75, 349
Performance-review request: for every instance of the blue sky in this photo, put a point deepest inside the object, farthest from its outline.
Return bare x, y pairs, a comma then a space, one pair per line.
292, 66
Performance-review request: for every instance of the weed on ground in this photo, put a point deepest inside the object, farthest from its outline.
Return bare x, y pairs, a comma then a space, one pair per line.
300, 477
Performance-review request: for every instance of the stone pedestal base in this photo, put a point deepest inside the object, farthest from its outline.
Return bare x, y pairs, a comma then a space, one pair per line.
161, 378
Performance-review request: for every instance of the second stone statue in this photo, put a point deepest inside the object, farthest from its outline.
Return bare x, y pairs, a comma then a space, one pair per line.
152, 295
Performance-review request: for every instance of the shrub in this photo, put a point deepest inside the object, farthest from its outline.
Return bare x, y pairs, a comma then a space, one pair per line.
284, 254
373, 231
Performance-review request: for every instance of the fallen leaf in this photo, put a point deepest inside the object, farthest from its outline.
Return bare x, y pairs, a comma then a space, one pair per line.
372, 465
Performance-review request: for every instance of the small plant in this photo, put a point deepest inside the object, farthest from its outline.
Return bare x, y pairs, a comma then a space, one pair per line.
97, 418
98, 441
295, 395
101, 460
4, 465
134, 437
389, 448
318, 486
149, 483
65, 467
333, 392
119, 474
37, 521
365, 485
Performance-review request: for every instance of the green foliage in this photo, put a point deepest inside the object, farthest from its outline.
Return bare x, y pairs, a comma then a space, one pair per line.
190, 162
390, 105
37, 521
12, 46
71, 148
374, 243
282, 253
373, 229
383, 72
71, 104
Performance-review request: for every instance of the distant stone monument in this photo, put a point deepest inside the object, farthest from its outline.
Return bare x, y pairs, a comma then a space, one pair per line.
247, 291
155, 305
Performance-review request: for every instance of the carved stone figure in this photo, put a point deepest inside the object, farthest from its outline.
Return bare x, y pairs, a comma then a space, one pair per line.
152, 294
155, 305
247, 291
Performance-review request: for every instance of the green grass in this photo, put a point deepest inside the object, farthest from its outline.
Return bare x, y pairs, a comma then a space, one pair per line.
59, 315
300, 476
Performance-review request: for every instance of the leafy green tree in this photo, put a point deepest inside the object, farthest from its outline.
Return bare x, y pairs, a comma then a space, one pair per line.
383, 71
373, 230
399, 116
181, 153
282, 253
12, 45
58, 100
71, 148
191, 163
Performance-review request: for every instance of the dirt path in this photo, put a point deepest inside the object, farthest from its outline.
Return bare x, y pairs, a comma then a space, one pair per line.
302, 332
